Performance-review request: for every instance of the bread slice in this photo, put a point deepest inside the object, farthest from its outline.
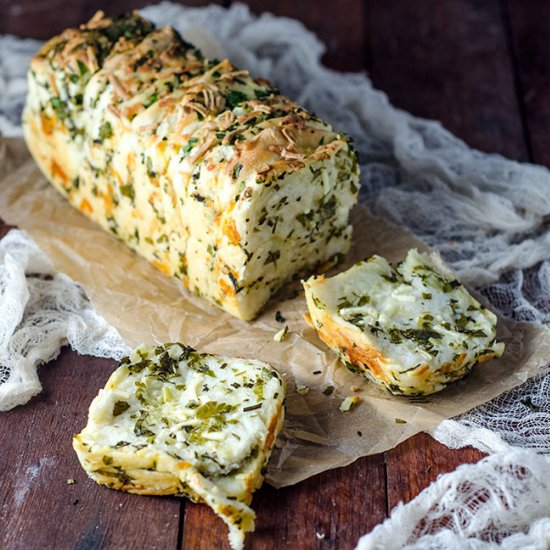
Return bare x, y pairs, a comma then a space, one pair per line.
211, 175
411, 328
172, 421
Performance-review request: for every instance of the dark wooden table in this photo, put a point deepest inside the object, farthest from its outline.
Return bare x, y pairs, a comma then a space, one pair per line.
479, 66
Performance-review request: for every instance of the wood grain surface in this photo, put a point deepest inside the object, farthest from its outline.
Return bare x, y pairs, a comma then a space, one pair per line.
479, 66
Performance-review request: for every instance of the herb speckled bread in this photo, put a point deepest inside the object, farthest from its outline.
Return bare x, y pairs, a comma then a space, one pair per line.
210, 174
411, 328
171, 421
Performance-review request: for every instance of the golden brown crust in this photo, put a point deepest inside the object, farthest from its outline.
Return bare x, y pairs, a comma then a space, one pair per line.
355, 351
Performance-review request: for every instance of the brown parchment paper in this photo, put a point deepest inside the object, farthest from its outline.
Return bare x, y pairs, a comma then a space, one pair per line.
146, 306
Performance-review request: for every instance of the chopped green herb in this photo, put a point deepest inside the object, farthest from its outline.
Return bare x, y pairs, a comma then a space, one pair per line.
279, 318
390, 278
477, 333
237, 170
105, 131
153, 98
448, 286
212, 408
128, 191
189, 145
252, 407
120, 407
59, 107
272, 257
82, 69
235, 97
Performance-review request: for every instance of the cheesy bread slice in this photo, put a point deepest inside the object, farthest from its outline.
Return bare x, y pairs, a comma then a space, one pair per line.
210, 174
172, 421
411, 328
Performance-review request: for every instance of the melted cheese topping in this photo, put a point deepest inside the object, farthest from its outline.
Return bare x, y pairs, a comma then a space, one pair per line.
412, 328
173, 421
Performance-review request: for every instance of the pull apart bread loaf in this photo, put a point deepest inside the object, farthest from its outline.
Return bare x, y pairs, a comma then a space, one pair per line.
171, 421
411, 328
213, 176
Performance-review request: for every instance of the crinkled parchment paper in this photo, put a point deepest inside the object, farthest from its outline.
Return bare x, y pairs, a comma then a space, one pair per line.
145, 306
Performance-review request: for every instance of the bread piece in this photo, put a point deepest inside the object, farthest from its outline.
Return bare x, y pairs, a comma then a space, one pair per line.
210, 174
171, 421
411, 328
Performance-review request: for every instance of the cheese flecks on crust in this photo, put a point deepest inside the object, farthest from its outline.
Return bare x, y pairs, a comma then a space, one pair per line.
211, 175
411, 328
172, 421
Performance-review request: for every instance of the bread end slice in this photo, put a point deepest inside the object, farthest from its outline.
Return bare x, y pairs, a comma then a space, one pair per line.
411, 328
172, 421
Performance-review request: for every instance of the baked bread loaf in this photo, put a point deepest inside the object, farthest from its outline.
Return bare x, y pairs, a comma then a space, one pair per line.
213, 176
411, 328
171, 421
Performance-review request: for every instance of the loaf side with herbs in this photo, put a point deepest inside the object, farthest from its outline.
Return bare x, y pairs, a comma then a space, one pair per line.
210, 174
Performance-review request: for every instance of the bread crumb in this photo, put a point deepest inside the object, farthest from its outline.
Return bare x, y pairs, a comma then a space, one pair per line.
349, 403
281, 335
